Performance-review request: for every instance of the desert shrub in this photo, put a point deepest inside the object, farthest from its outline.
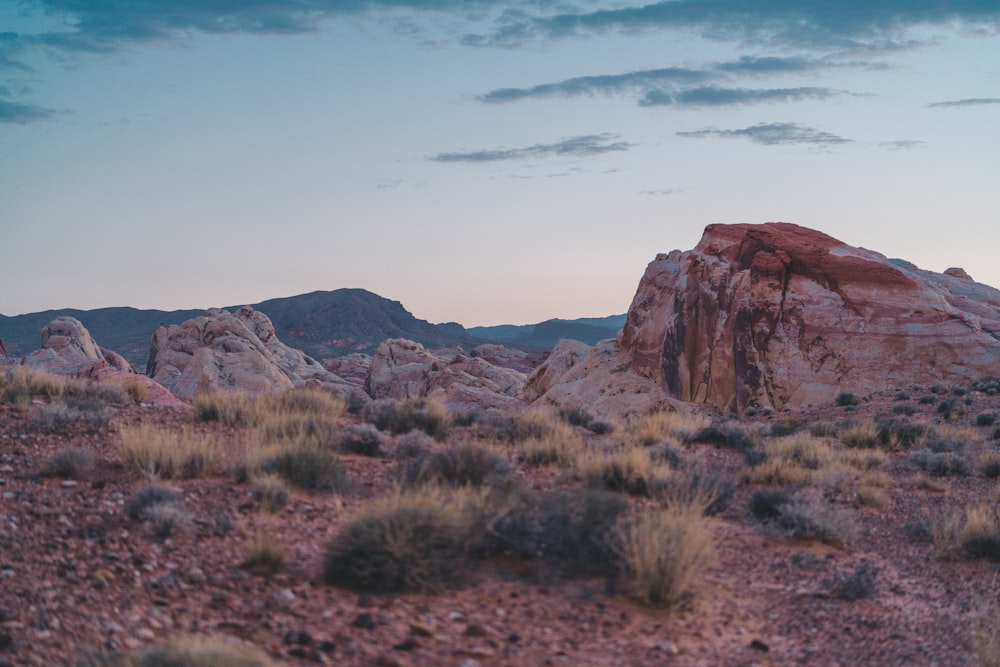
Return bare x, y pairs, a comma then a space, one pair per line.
270, 492
136, 390
263, 554
197, 651
926, 400
70, 463
24, 383
861, 459
295, 430
989, 464
950, 409
578, 530
863, 434
785, 426
804, 517
600, 427
356, 402
308, 468
986, 639
57, 418
696, 486
630, 470
766, 504
958, 390
226, 407
163, 453
904, 410
824, 429
413, 444
900, 433
938, 389
562, 447
980, 536
303, 401
871, 495
986, 418
940, 464
902, 395
857, 585
666, 551
847, 399
457, 466
363, 439
397, 417
158, 507
494, 424
777, 472
413, 541
658, 427
576, 416
947, 439
726, 434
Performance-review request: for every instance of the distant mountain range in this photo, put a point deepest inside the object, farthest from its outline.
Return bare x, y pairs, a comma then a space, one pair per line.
321, 324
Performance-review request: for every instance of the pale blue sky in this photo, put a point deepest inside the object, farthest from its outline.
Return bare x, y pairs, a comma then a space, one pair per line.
482, 162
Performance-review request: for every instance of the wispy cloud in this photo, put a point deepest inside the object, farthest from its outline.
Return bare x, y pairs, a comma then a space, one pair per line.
711, 96
19, 113
581, 146
902, 144
771, 134
969, 102
884, 24
686, 86
663, 192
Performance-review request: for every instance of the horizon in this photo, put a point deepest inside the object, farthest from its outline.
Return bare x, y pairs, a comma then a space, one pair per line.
493, 162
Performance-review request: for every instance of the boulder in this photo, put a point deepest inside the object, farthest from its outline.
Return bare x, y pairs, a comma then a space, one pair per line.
352, 367
220, 350
403, 369
778, 315
597, 379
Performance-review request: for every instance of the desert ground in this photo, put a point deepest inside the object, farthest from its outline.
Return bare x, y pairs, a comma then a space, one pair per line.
300, 529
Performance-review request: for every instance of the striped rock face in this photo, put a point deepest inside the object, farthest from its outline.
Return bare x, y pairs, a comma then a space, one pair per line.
778, 315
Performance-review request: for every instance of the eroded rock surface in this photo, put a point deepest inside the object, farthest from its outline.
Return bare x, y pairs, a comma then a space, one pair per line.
227, 351
403, 369
778, 315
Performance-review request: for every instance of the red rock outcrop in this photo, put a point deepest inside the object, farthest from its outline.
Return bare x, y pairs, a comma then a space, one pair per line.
403, 369
240, 352
778, 315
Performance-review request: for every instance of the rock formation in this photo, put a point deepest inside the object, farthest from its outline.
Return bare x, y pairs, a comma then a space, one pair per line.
597, 379
777, 315
222, 350
403, 369
69, 349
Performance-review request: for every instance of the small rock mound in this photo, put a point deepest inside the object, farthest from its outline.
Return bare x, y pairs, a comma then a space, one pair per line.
220, 350
403, 369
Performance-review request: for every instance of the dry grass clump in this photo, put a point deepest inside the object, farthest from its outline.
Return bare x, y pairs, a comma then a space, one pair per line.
158, 507
560, 446
628, 470
460, 465
23, 383
186, 651
59, 418
308, 468
363, 439
263, 554
407, 541
70, 463
396, 417
696, 485
804, 517
791, 460
989, 464
986, 639
732, 435
864, 434
159, 452
230, 408
666, 551
980, 536
673, 427
270, 492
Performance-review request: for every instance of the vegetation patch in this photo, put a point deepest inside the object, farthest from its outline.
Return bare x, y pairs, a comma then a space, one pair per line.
159, 452
463, 465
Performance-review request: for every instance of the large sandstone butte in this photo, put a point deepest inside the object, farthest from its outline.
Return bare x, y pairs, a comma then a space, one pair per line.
238, 351
777, 315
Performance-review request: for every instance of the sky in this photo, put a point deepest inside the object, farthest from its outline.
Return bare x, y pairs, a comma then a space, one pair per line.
480, 161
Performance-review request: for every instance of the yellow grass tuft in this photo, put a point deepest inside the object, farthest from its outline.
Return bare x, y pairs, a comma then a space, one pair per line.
163, 453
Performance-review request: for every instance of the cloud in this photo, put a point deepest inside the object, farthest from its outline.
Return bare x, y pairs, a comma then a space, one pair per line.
582, 146
19, 113
970, 102
662, 192
771, 134
726, 97
902, 144
602, 84
685, 86
880, 24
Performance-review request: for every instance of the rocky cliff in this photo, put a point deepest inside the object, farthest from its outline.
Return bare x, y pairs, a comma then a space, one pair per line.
778, 315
